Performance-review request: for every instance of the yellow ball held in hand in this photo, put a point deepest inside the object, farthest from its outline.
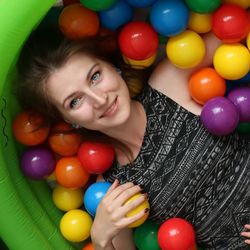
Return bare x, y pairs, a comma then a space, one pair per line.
75, 225
66, 198
186, 50
136, 210
232, 61
140, 64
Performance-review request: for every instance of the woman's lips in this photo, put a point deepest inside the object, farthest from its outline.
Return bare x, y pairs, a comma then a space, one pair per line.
111, 110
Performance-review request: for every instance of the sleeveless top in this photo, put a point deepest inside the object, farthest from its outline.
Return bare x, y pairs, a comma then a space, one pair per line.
189, 173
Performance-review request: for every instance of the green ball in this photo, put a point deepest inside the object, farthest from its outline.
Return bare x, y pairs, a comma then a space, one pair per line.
244, 128
203, 6
98, 5
145, 236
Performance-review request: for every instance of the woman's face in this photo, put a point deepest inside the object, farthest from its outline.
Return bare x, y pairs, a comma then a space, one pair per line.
90, 93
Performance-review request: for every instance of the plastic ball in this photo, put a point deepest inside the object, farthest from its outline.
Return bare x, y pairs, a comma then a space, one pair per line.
88, 246
138, 40
220, 116
96, 157
244, 128
230, 23
176, 234
98, 5
144, 205
30, 128
248, 40
232, 61
186, 50
37, 163
76, 21
140, 64
63, 140
203, 6
200, 23
206, 84
75, 225
70, 173
169, 18
141, 3
243, 3
145, 236
116, 16
93, 196
240, 97
67, 198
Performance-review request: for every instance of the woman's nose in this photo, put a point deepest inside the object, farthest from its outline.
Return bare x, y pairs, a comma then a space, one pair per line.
97, 98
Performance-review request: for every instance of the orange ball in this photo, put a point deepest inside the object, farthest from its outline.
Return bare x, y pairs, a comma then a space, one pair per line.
30, 128
77, 21
63, 140
88, 246
205, 84
70, 173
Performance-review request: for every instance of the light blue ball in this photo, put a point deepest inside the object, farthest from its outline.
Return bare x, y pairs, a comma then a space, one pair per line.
116, 16
169, 17
93, 196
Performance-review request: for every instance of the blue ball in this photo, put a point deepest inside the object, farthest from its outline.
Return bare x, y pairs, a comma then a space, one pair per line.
116, 16
94, 195
141, 3
170, 17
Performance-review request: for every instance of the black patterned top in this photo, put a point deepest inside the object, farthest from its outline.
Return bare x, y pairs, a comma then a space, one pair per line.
189, 173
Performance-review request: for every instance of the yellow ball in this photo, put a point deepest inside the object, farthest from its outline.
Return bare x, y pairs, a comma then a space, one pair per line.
248, 40
136, 210
75, 225
232, 61
186, 50
243, 3
140, 64
67, 199
200, 23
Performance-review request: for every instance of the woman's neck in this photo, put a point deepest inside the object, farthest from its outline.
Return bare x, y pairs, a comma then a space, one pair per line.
131, 133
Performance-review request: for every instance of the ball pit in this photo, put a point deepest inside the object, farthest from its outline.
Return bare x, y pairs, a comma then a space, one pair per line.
26, 206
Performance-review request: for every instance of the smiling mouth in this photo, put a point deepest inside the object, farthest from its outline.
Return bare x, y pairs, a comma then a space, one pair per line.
111, 110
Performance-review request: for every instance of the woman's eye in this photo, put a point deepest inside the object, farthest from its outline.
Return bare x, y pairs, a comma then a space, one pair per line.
95, 77
75, 102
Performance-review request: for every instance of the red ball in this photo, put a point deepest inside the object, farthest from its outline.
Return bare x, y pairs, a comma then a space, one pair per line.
96, 157
138, 40
230, 23
176, 234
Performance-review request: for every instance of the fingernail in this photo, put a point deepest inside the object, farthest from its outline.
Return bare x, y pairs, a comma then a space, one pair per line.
146, 210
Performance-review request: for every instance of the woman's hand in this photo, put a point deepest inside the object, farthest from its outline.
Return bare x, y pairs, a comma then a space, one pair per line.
110, 216
246, 234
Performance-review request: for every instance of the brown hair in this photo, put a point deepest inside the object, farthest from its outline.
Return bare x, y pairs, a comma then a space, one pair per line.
45, 51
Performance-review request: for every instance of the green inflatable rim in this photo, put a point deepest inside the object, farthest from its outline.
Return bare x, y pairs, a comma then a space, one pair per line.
28, 218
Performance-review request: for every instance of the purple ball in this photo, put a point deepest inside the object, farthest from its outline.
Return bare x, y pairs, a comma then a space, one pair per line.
220, 116
240, 97
37, 163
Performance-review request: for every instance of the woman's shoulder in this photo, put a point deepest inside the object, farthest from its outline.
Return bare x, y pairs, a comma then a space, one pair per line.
173, 82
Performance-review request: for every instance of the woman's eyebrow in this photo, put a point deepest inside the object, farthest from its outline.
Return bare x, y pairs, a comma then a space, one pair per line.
87, 78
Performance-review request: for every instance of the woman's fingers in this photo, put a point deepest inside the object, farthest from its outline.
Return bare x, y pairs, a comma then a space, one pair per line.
126, 221
117, 190
246, 234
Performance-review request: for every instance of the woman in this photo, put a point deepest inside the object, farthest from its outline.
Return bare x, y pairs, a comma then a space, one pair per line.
161, 146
